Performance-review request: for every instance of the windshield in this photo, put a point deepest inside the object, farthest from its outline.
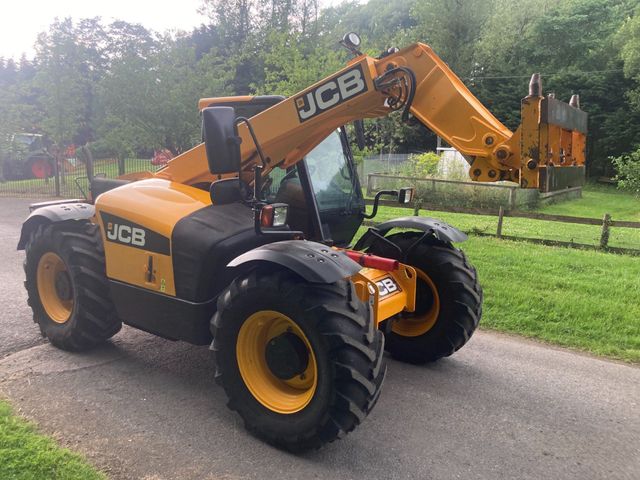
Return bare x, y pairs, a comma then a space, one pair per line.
331, 175
24, 140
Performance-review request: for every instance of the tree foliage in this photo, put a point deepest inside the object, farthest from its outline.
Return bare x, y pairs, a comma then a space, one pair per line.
130, 90
628, 172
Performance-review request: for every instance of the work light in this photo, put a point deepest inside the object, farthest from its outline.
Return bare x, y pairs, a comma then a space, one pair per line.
274, 215
405, 195
352, 39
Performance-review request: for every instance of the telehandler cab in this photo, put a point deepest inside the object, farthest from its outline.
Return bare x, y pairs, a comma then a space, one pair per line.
243, 243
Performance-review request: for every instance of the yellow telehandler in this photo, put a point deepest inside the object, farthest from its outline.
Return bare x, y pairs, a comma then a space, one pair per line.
244, 243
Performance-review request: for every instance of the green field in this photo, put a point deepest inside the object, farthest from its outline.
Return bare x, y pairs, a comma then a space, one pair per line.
596, 201
25, 454
574, 298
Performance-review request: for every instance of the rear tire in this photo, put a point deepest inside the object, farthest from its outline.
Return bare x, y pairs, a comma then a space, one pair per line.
67, 286
345, 349
39, 168
445, 319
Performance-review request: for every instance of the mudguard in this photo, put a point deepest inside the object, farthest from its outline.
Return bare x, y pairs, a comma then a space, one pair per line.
440, 230
314, 262
53, 213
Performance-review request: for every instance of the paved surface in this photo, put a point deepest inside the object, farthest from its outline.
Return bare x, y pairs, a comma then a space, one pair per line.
143, 407
17, 331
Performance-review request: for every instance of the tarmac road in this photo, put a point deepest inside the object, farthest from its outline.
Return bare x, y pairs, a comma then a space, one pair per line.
143, 407
16, 333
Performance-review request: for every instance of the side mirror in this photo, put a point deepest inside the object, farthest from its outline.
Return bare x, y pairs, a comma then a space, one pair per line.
405, 195
221, 140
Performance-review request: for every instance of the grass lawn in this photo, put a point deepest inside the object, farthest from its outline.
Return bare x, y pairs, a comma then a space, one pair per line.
25, 454
574, 298
596, 201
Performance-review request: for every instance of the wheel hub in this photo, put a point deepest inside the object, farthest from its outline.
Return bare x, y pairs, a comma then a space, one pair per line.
276, 362
55, 287
63, 286
287, 356
419, 322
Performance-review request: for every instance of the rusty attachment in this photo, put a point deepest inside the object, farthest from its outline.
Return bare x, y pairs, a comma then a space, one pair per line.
575, 101
535, 85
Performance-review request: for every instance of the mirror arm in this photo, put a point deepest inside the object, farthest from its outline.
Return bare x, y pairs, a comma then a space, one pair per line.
255, 139
376, 200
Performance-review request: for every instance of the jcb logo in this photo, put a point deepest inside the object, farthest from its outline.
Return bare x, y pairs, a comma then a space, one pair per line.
331, 93
126, 234
387, 286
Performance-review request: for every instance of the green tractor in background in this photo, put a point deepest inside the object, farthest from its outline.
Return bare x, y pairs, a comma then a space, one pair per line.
28, 158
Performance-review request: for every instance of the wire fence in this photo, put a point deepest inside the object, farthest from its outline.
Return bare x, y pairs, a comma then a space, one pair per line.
68, 180
439, 192
389, 163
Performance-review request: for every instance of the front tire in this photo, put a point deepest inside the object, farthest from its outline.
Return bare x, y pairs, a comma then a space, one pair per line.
67, 286
448, 301
301, 363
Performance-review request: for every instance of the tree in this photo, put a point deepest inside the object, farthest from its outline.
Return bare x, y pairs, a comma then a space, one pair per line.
63, 81
18, 110
136, 90
629, 41
452, 27
232, 18
628, 172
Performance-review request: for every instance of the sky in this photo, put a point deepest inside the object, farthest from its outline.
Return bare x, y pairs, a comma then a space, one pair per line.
22, 20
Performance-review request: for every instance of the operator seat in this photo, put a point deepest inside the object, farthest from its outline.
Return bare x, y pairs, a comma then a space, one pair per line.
100, 185
292, 193
228, 190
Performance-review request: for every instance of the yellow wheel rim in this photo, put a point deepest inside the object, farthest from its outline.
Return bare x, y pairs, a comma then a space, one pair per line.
54, 287
281, 396
410, 325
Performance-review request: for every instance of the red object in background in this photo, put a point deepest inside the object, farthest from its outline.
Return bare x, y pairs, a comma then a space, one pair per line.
161, 157
70, 152
41, 169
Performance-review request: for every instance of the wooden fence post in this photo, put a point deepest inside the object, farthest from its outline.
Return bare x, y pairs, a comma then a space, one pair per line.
369, 186
512, 198
500, 217
604, 236
417, 205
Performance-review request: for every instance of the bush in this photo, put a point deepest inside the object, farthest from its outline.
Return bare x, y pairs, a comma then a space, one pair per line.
628, 168
421, 165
